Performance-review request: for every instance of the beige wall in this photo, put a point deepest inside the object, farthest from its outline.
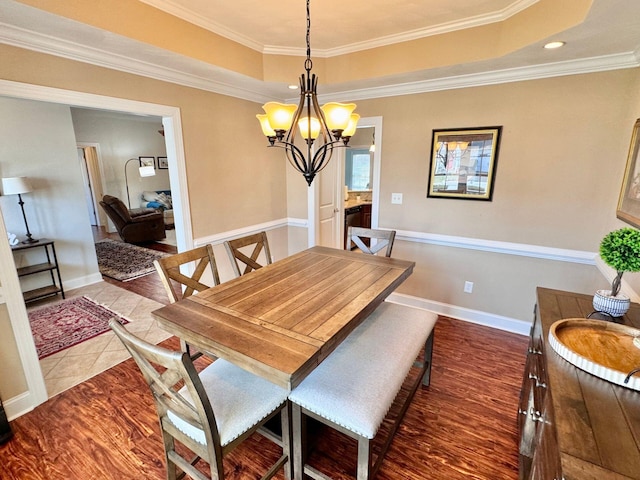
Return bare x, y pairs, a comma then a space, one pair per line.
227, 162
562, 157
559, 171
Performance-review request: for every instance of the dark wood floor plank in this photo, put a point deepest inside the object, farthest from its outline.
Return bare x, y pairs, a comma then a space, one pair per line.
461, 427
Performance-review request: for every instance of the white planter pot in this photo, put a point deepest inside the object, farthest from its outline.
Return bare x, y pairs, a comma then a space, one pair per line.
614, 306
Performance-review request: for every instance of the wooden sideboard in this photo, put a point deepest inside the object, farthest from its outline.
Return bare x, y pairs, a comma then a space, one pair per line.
573, 425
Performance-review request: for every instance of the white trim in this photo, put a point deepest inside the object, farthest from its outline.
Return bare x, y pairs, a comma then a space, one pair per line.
494, 246
609, 273
12, 297
196, 18
175, 154
512, 325
241, 232
203, 76
507, 248
19, 405
517, 74
82, 281
195, 74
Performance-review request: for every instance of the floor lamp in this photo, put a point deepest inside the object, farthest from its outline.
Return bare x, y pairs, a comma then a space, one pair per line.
18, 186
145, 171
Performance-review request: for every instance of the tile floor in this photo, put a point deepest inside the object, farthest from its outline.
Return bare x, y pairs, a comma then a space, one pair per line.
74, 365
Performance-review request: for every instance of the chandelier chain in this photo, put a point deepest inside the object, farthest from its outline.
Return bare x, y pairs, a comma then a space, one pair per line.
308, 63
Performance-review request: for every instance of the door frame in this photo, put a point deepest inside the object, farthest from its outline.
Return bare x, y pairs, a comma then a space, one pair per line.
172, 122
313, 201
100, 216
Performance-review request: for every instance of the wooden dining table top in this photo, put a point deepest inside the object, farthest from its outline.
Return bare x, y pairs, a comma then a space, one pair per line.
282, 320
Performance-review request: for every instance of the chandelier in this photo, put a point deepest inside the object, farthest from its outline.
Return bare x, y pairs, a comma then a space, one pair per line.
320, 129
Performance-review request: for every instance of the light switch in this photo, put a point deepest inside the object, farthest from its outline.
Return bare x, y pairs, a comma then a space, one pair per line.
396, 198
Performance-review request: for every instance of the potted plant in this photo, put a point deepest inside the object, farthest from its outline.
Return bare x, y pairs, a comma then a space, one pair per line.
620, 250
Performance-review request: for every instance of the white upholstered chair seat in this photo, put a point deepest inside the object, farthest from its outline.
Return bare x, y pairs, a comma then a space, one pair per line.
340, 388
239, 398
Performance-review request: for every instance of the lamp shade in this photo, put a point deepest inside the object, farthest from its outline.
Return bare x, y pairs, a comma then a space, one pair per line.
280, 115
148, 171
337, 114
15, 185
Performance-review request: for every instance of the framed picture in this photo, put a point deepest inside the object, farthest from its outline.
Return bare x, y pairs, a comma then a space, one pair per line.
463, 163
629, 200
147, 161
163, 163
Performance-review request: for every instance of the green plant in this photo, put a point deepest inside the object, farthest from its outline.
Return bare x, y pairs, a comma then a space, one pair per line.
620, 250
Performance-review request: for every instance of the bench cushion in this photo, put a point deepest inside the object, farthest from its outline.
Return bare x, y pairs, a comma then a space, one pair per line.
355, 386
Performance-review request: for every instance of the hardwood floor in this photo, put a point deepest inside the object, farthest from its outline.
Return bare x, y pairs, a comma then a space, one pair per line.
148, 286
462, 426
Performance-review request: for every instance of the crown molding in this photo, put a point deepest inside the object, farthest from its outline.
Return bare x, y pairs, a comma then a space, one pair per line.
517, 74
471, 22
195, 18
208, 77
196, 74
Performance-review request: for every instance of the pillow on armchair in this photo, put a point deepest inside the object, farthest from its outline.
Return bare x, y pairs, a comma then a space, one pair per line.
159, 199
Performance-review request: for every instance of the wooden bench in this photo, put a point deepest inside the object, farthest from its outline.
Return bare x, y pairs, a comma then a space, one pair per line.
353, 389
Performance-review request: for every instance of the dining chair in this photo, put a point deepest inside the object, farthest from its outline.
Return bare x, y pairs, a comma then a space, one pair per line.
169, 269
174, 279
360, 235
234, 248
210, 412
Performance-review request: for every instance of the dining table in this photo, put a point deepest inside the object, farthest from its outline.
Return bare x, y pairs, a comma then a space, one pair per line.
282, 320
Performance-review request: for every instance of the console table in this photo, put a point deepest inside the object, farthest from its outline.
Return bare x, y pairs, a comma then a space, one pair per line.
51, 266
573, 425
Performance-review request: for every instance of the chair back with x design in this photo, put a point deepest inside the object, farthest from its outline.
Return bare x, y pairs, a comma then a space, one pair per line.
234, 249
383, 238
173, 279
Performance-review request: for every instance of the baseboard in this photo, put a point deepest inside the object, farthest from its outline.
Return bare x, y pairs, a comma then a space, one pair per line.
18, 405
82, 281
507, 324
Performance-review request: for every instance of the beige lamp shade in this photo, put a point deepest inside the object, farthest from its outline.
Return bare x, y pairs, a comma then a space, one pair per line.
15, 185
337, 114
267, 131
303, 125
280, 115
351, 126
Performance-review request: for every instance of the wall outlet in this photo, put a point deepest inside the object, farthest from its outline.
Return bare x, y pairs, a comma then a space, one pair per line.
468, 287
396, 198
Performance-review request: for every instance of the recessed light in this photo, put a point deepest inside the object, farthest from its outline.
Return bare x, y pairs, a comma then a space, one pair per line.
552, 45
293, 87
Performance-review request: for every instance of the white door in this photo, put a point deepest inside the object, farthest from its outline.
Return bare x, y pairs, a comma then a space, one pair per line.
328, 198
88, 196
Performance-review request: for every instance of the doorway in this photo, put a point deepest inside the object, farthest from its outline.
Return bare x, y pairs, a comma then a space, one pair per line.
89, 161
318, 210
36, 391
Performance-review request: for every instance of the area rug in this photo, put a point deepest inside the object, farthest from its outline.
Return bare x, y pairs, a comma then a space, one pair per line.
63, 324
123, 261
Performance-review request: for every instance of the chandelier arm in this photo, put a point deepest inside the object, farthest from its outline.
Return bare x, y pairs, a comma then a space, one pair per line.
323, 155
298, 161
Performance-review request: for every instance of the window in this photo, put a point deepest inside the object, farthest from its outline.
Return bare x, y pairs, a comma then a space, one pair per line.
358, 169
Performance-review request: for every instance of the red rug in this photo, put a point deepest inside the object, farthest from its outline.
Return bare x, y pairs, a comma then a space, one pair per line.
61, 325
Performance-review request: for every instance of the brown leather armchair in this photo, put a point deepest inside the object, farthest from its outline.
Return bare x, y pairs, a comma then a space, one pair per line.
138, 225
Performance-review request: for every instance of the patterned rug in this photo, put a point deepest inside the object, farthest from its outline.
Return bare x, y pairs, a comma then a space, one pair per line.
63, 324
123, 261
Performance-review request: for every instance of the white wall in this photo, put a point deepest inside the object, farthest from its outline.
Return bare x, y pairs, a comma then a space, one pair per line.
121, 137
37, 141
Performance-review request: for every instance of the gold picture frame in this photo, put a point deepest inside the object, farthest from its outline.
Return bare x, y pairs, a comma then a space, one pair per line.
629, 201
463, 163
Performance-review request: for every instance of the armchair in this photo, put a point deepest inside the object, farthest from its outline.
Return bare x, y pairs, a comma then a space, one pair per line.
138, 225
